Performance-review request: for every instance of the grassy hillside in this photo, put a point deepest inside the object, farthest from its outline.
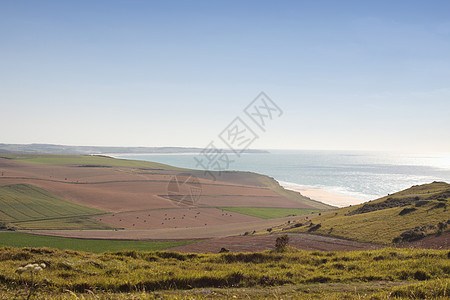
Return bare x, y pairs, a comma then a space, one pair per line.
28, 207
404, 216
271, 275
18, 239
56, 159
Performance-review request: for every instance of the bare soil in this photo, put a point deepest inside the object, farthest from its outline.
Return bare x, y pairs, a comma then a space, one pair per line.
179, 233
120, 189
267, 242
174, 218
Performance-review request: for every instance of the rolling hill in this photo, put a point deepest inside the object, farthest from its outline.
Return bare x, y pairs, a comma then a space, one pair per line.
406, 216
145, 199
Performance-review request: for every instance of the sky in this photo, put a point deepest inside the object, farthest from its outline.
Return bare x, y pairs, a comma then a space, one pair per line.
347, 75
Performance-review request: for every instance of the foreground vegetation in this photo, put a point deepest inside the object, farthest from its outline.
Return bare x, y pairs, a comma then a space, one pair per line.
401, 217
18, 239
269, 212
291, 273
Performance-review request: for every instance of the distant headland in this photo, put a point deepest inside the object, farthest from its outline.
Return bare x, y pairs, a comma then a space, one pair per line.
84, 150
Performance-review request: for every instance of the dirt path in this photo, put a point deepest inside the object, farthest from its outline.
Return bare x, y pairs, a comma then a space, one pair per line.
267, 242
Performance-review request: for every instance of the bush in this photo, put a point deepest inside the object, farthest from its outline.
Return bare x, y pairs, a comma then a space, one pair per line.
314, 227
442, 226
281, 242
407, 211
409, 236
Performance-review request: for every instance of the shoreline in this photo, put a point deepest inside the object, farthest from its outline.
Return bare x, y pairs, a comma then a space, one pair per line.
317, 194
323, 196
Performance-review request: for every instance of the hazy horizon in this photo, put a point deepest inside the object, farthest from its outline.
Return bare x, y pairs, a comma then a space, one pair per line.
393, 151
347, 75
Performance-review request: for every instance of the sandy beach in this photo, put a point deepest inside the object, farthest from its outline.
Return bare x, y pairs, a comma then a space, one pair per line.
323, 196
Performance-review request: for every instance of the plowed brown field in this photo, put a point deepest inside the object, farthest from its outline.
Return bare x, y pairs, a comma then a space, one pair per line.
140, 199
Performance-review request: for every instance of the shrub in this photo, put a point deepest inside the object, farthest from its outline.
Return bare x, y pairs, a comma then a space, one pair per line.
409, 236
281, 242
442, 226
224, 250
407, 211
315, 227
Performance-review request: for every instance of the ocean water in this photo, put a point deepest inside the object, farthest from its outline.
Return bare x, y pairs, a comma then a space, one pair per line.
357, 174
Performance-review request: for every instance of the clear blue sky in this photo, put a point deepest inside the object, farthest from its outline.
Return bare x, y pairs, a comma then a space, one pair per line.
347, 74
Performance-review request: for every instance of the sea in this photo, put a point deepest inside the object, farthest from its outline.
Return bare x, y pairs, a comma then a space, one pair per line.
358, 174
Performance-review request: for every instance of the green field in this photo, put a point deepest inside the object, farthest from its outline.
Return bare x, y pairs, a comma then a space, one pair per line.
425, 207
269, 212
19, 239
75, 223
30, 207
381, 274
54, 159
